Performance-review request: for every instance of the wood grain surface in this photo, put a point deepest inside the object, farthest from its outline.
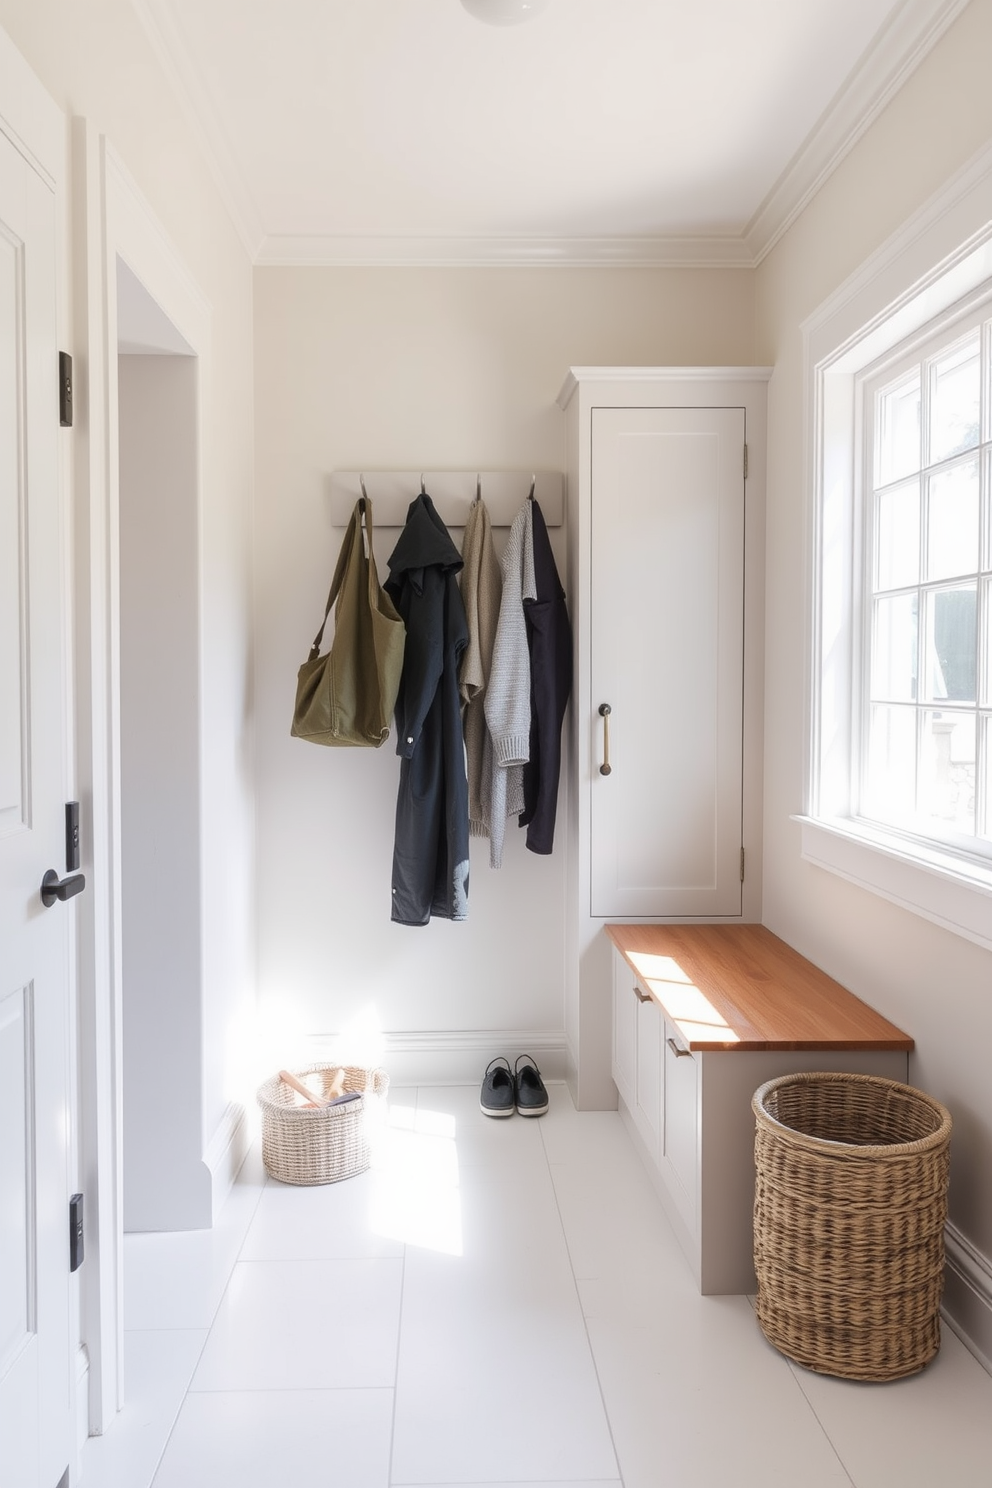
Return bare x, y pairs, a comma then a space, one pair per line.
740, 987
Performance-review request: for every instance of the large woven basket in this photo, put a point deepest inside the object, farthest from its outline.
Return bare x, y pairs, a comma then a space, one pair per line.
850, 1202
322, 1144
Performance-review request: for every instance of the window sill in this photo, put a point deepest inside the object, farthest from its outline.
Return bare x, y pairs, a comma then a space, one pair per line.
941, 888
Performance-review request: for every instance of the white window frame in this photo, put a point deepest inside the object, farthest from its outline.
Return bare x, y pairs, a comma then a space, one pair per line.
970, 316
942, 256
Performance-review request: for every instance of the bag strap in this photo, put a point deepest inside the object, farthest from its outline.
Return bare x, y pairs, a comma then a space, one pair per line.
378, 597
341, 567
366, 505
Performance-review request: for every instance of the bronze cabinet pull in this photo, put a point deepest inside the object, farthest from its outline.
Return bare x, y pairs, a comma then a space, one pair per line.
604, 712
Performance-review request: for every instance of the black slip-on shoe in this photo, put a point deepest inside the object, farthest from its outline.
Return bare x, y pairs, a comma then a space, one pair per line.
531, 1096
496, 1098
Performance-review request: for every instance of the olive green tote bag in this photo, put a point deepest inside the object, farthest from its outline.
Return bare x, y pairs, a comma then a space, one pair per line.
347, 697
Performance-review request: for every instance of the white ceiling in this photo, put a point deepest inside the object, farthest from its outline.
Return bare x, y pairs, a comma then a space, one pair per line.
624, 131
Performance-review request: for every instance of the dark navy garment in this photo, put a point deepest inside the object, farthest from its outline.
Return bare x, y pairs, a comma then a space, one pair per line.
430, 852
549, 640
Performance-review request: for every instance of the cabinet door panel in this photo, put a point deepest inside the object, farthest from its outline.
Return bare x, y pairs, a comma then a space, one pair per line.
681, 1123
650, 1073
667, 656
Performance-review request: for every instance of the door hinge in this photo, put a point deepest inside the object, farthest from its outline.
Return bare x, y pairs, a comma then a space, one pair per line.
742, 865
75, 1232
745, 462
65, 390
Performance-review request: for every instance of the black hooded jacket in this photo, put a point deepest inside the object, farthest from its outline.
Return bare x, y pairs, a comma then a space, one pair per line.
430, 853
549, 640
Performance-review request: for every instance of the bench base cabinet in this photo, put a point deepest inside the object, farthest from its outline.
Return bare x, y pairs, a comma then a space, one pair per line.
688, 1112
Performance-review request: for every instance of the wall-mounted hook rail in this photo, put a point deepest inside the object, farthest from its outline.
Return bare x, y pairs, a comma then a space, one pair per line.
452, 491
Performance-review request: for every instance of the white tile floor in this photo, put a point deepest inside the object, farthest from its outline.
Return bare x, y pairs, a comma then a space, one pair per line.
499, 1303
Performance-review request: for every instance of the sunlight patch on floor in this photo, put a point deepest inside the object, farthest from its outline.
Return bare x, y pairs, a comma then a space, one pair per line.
416, 1199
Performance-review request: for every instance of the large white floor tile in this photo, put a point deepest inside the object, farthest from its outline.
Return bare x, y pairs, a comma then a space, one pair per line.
594, 1139
496, 1380
158, 1367
453, 1111
296, 1325
333, 1219
933, 1427
270, 1439
698, 1400
616, 1228
529, 1407
175, 1279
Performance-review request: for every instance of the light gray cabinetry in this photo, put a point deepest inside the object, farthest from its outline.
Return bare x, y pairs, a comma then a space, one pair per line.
666, 658
665, 553
688, 1112
680, 1118
638, 1057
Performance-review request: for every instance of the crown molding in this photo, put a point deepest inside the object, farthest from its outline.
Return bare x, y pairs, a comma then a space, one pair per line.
578, 253
900, 46
169, 45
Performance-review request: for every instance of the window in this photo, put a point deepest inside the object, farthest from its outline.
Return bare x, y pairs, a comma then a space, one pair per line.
926, 605
898, 368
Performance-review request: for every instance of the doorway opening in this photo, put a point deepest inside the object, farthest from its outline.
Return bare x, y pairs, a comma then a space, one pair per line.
165, 1183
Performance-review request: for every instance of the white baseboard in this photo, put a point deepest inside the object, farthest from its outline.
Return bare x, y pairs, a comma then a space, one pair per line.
452, 1058
225, 1153
967, 1307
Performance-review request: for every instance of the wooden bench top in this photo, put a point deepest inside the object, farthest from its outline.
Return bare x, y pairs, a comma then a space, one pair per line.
740, 987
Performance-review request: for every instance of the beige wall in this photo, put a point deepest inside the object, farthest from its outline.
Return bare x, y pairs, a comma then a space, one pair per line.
934, 984
406, 369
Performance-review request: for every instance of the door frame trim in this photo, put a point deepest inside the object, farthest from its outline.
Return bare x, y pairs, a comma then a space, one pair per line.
112, 220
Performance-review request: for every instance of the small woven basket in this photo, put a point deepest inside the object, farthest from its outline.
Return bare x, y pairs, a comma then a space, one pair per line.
323, 1144
850, 1202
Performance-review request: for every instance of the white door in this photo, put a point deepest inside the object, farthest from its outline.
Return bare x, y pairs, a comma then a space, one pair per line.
667, 660
35, 1390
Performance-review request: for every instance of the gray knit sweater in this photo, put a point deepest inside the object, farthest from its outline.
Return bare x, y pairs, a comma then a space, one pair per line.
507, 700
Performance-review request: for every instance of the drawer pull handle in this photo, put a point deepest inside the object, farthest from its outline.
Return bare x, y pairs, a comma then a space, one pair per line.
604, 712
679, 1052
641, 996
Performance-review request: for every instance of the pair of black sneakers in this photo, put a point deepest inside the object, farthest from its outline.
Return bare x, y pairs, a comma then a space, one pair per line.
505, 1090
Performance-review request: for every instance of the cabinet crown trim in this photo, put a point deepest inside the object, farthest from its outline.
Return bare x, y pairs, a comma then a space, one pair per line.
577, 375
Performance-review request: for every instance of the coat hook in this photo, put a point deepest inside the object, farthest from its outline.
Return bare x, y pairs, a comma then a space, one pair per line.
423, 488
478, 488
533, 483
361, 482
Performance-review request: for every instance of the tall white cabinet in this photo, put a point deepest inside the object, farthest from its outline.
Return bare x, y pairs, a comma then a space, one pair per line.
666, 538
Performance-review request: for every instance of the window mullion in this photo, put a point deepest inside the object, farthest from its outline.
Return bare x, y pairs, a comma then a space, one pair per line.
865, 627
922, 614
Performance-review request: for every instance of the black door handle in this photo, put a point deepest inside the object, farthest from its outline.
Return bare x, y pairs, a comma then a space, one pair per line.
53, 887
